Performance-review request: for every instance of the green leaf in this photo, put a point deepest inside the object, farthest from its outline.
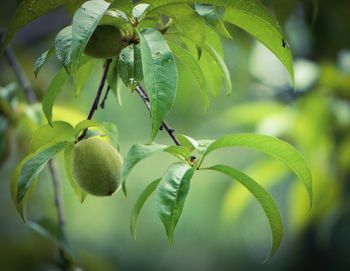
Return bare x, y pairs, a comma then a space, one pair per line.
108, 128
188, 142
221, 63
81, 76
135, 212
214, 17
264, 198
171, 194
53, 231
32, 167
85, 21
39, 63
14, 187
130, 66
113, 81
26, 12
252, 17
187, 22
63, 46
54, 89
271, 146
160, 75
179, 151
67, 163
192, 66
137, 153
46, 134
139, 11
123, 5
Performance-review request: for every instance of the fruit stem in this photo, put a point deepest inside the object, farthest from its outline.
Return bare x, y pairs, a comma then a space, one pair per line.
144, 96
96, 102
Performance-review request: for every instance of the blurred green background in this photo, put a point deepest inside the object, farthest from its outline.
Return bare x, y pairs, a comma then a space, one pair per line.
222, 227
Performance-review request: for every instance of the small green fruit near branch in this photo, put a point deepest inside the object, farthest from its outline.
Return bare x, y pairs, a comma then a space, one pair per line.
105, 42
96, 166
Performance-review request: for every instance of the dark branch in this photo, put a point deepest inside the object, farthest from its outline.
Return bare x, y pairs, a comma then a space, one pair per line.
31, 97
144, 96
103, 103
96, 102
21, 77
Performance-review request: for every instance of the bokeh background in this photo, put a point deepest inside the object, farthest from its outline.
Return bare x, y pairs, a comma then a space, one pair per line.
222, 227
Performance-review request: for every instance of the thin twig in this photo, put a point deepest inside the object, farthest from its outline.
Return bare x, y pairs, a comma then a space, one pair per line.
96, 102
144, 96
103, 103
21, 77
31, 97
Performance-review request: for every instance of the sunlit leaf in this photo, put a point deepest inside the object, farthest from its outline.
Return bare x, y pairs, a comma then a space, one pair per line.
46, 134
221, 63
271, 146
171, 194
160, 75
135, 212
137, 153
251, 16
32, 167
192, 66
263, 197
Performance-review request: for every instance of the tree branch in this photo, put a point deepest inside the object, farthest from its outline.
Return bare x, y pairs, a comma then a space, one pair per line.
96, 102
144, 96
31, 97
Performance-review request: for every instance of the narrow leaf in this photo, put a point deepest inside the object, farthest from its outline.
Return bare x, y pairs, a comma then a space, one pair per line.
171, 195
63, 46
135, 212
264, 198
221, 63
84, 23
271, 146
54, 89
34, 166
160, 75
40, 62
252, 17
137, 153
192, 66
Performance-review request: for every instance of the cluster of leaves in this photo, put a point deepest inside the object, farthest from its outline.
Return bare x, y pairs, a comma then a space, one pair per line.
157, 35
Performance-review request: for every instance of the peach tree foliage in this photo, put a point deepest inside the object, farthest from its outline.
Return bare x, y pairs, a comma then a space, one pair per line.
156, 36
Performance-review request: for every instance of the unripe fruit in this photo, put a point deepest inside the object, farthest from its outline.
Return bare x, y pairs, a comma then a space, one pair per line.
96, 166
105, 42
